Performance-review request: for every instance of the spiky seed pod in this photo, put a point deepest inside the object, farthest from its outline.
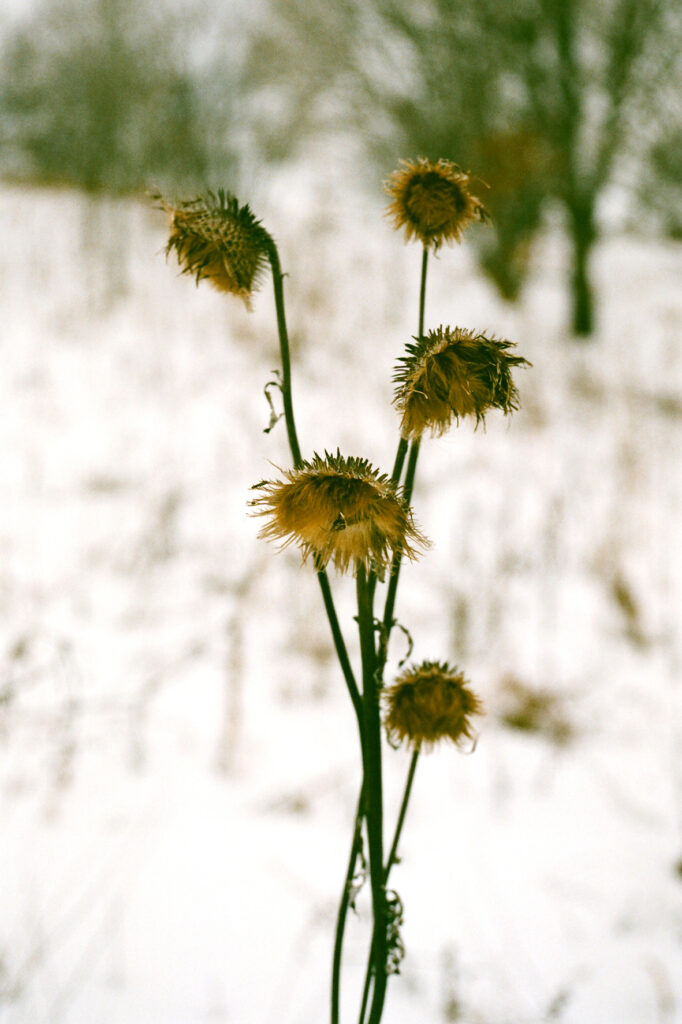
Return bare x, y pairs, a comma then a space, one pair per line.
450, 373
432, 202
216, 239
339, 510
430, 702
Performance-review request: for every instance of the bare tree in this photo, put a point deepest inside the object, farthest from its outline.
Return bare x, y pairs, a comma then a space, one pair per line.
550, 101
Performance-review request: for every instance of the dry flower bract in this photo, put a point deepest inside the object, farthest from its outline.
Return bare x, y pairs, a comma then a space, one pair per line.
430, 702
452, 372
216, 239
432, 202
340, 510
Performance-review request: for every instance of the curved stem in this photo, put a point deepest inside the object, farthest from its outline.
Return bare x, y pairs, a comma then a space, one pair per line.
287, 401
343, 906
325, 588
277, 278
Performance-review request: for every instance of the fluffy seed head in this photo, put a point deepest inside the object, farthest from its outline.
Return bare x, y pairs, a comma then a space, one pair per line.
340, 510
432, 202
430, 702
216, 239
452, 372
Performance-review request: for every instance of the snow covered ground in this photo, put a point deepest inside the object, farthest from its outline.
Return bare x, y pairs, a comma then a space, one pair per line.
178, 768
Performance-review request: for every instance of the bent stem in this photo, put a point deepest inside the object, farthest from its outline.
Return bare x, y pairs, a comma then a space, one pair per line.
277, 279
287, 401
367, 718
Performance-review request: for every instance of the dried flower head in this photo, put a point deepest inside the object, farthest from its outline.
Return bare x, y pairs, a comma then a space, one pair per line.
432, 201
428, 703
340, 510
452, 372
216, 239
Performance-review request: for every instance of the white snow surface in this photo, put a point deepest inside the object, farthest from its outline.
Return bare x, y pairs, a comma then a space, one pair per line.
179, 763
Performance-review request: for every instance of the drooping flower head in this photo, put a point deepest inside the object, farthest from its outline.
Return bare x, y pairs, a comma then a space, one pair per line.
432, 202
216, 239
450, 373
430, 702
340, 510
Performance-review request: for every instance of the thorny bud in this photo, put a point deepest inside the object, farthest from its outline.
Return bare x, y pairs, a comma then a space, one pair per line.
216, 239
450, 373
339, 510
430, 702
432, 202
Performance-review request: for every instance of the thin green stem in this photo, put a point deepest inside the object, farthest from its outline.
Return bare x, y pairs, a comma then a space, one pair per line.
399, 460
379, 936
367, 985
411, 472
392, 589
277, 278
389, 864
401, 814
287, 401
344, 905
373, 790
408, 486
340, 647
402, 444
422, 291
330, 609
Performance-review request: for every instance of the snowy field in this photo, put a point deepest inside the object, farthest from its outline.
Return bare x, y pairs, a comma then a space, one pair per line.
178, 761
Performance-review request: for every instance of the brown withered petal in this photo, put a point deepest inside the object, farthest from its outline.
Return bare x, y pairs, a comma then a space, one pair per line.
432, 202
339, 510
450, 373
217, 240
428, 703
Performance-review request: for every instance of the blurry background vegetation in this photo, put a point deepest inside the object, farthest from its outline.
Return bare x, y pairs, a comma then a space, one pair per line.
112, 95
568, 109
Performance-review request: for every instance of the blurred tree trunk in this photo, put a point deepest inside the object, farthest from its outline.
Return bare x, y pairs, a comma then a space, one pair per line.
583, 235
565, 124
542, 98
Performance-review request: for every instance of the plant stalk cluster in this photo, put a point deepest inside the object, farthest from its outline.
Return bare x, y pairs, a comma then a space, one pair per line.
374, 643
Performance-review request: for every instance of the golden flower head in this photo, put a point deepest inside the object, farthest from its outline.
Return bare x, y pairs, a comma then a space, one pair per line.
216, 239
451, 373
340, 510
428, 703
432, 201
